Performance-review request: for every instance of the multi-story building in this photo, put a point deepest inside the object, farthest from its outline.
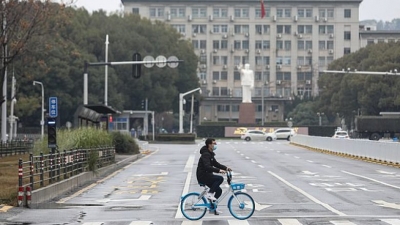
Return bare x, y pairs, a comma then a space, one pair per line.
286, 49
369, 35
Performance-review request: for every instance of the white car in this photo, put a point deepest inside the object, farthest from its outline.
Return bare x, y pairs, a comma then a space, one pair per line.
257, 135
341, 134
284, 133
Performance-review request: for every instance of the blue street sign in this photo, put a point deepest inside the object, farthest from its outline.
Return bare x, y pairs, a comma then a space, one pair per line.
53, 107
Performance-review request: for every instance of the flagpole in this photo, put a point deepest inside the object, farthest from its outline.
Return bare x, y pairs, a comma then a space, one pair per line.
262, 12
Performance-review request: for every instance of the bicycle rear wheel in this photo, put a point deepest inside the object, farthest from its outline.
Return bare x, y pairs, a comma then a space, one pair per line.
241, 207
193, 207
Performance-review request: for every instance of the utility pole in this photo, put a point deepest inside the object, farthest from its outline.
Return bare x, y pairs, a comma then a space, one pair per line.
13, 100
106, 75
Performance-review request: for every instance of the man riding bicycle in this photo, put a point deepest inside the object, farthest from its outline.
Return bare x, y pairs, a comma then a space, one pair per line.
207, 166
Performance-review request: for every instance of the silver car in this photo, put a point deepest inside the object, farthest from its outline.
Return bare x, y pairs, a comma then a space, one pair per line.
284, 133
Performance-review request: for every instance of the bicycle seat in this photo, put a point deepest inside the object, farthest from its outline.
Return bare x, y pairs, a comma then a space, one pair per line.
202, 185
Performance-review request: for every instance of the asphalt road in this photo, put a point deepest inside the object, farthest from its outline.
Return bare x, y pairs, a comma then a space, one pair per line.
291, 186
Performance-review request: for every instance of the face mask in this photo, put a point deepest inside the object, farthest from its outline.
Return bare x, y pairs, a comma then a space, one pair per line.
215, 148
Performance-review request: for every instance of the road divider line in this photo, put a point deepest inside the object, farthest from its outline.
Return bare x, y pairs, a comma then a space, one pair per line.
312, 198
371, 179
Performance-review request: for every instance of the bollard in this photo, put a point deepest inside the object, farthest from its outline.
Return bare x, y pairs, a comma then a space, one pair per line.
20, 196
31, 169
20, 188
41, 170
28, 194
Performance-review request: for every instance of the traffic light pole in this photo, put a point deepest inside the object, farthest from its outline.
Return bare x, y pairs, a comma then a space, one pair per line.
181, 95
87, 64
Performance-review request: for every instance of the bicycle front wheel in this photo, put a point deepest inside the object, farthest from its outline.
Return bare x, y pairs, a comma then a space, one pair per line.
193, 207
242, 206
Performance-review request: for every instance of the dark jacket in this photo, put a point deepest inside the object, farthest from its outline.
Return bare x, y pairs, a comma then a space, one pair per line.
207, 165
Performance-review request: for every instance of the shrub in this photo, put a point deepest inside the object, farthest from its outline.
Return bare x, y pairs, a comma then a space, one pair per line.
124, 143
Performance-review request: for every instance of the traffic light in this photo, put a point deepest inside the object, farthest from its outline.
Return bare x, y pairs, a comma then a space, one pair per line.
136, 68
142, 104
51, 132
196, 107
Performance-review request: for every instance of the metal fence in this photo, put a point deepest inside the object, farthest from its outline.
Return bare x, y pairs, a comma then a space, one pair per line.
42, 170
15, 147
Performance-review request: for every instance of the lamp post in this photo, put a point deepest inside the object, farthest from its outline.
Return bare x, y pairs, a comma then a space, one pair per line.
320, 118
42, 121
181, 107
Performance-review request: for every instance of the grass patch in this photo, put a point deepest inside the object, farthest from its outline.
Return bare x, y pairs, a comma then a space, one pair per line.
9, 178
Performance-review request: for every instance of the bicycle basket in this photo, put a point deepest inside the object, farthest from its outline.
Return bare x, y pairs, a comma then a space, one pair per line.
238, 186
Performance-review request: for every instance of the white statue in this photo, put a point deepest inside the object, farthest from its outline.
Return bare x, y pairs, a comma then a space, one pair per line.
247, 78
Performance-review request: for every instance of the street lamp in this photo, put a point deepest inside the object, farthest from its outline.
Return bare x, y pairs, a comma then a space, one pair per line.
42, 121
181, 107
320, 118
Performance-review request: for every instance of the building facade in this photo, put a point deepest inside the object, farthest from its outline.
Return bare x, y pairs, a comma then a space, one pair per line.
286, 49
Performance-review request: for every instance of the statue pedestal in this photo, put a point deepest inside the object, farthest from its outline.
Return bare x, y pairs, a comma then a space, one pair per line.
247, 113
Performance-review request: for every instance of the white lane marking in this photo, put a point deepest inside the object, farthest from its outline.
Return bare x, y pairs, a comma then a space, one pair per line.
189, 164
141, 223
385, 172
184, 192
247, 157
289, 222
253, 161
342, 222
238, 222
297, 157
191, 222
312, 198
371, 179
391, 221
242, 154
76, 194
261, 166
93, 223
308, 172
327, 166
310, 161
387, 204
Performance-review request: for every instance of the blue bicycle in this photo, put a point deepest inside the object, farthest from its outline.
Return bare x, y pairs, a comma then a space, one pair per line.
241, 205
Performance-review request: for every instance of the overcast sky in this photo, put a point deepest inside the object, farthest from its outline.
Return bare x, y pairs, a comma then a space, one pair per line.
369, 9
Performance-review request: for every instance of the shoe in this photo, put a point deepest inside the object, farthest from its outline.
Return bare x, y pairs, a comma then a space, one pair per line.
211, 196
215, 212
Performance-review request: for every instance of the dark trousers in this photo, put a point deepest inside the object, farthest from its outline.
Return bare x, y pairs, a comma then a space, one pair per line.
214, 183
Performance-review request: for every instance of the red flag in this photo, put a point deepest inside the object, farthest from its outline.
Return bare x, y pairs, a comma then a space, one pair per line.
262, 9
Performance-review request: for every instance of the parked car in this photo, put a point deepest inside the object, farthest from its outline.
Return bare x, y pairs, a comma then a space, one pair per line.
257, 135
284, 133
341, 134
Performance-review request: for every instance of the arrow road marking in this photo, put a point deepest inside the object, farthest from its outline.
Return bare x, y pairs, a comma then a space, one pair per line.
387, 204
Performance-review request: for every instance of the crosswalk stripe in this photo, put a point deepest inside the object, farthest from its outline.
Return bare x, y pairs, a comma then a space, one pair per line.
186, 222
93, 223
342, 222
238, 222
392, 221
289, 222
141, 223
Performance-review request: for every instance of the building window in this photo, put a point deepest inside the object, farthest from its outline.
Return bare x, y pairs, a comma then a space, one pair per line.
304, 13
202, 75
321, 45
220, 13
284, 29
381, 40
224, 92
135, 11
329, 44
309, 13
288, 45
199, 12
347, 51
177, 13
224, 44
224, 75
258, 13
245, 44
237, 44
215, 44
236, 75
181, 28
235, 108
347, 13
199, 29
203, 44
215, 75
262, 29
224, 60
300, 45
331, 13
156, 12
279, 13
347, 35
241, 13
288, 13
223, 108
215, 91
241, 29
216, 61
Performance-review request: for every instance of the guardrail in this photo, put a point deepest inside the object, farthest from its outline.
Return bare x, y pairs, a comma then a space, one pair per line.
43, 170
380, 151
15, 147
